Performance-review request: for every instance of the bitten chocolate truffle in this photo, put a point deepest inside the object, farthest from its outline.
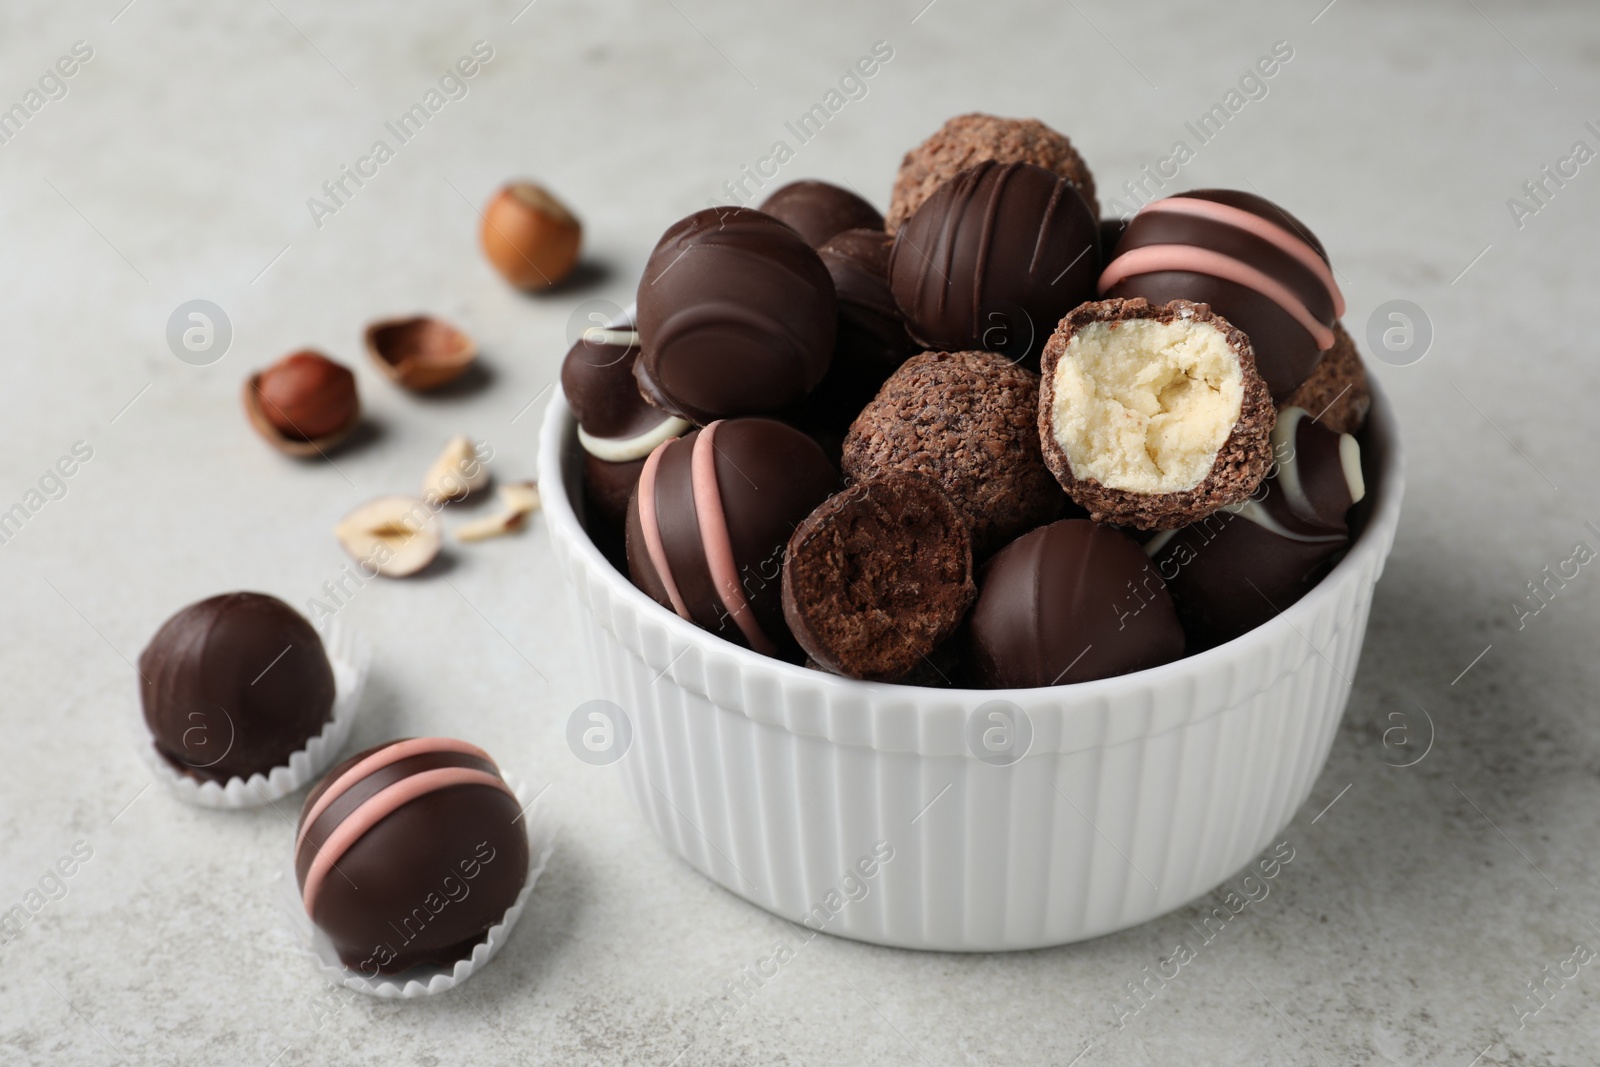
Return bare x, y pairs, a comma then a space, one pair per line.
1070, 602
817, 210
1153, 417
968, 140
1254, 263
617, 429
1336, 393
736, 317
1234, 570
234, 685
878, 577
406, 854
969, 421
709, 520
993, 259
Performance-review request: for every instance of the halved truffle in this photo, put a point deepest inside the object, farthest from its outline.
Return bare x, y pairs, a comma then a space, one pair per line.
1153, 416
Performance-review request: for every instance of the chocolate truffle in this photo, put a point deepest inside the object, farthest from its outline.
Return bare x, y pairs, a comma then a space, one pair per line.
1070, 602
1234, 570
234, 685
617, 429
969, 421
1336, 393
1151, 416
878, 577
406, 854
968, 140
818, 210
709, 520
1253, 262
993, 259
736, 317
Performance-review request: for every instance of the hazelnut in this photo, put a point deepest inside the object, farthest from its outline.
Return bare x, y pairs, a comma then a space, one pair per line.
303, 404
457, 473
517, 501
420, 352
530, 237
395, 536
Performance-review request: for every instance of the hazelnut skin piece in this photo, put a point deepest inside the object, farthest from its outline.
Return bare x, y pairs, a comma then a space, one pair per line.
529, 236
307, 396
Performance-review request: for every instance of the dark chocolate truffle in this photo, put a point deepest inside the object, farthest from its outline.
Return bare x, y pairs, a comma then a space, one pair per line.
1070, 602
617, 429
234, 685
1336, 393
878, 577
709, 520
993, 259
1153, 417
968, 140
736, 317
1253, 262
1234, 570
406, 854
969, 421
817, 210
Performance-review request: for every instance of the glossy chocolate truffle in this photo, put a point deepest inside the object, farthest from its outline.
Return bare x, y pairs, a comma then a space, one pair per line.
1150, 416
967, 140
709, 520
617, 428
817, 210
736, 317
1255, 264
1070, 602
234, 685
406, 854
1336, 393
969, 421
1234, 570
878, 577
993, 259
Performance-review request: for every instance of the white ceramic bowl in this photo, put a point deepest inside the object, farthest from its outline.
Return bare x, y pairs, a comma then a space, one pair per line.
1136, 794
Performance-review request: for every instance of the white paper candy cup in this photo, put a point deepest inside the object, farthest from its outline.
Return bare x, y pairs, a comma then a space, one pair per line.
423, 981
351, 657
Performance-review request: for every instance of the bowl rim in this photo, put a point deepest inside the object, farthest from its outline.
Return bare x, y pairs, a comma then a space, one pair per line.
1370, 549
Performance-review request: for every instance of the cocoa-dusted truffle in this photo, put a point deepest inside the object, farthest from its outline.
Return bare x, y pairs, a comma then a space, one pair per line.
709, 520
1071, 602
993, 259
406, 854
1151, 416
878, 577
967, 140
234, 685
818, 210
1253, 262
1336, 393
1234, 570
736, 317
969, 421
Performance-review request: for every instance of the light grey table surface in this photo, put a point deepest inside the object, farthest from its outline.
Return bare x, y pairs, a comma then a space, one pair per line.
178, 165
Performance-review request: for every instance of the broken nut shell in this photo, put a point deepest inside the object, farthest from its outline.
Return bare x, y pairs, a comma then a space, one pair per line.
517, 501
395, 536
420, 352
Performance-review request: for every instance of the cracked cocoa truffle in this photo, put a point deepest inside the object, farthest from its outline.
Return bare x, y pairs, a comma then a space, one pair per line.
968, 140
617, 428
1336, 393
1153, 416
736, 317
1237, 568
1254, 263
406, 854
967, 420
993, 259
234, 685
709, 520
819, 210
1070, 602
878, 577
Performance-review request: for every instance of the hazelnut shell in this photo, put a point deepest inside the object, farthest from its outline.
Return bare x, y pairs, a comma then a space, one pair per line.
420, 352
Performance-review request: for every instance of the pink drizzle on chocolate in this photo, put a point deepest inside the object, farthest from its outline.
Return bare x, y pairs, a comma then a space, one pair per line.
717, 544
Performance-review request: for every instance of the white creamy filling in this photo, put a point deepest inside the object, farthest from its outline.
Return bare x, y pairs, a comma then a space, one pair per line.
1146, 406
